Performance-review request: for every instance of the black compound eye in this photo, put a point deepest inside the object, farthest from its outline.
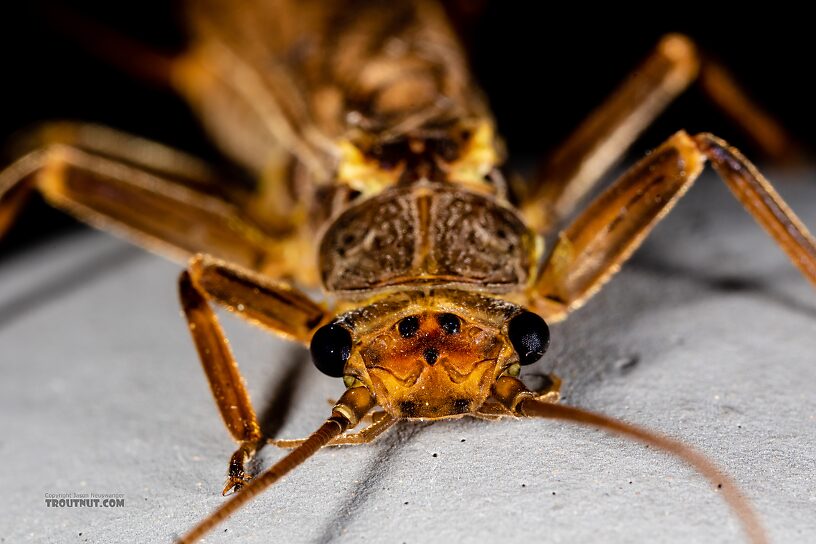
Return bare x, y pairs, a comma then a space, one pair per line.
331, 347
530, 337
449, 323
408, 327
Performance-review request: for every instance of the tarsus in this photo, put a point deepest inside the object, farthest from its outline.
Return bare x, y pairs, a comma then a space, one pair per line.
333, 427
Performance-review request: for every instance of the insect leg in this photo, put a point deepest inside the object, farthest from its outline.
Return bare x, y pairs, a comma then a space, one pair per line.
516, 398
603, 138
764, 130
348, 411
492, 410
760, 199
382, 421
17, 180
591, 249
140, 152
274, 306
152, 195
550, 392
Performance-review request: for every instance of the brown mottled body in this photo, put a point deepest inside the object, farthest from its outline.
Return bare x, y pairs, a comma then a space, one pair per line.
375, 167
428, 233
362, 95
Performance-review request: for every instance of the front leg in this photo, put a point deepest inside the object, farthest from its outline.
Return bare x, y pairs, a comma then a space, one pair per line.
381, 422
604, 235
273, 305
549, 392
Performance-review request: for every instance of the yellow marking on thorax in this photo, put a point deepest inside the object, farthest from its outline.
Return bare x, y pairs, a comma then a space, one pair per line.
480, 155
362, 173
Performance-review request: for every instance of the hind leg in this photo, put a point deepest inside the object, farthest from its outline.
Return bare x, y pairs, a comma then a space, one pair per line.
606, 134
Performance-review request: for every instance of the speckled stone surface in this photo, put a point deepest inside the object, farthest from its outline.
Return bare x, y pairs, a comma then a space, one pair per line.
708, 335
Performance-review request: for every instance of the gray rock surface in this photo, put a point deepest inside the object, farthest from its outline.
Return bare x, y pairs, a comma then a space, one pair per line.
708, 335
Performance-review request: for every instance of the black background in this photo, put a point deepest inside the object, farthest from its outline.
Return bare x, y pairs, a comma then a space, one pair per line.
543, 70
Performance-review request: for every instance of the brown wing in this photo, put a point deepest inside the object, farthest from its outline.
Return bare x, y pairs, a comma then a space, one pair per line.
299, 75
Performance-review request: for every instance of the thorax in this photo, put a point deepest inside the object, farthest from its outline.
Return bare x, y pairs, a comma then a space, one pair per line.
426, 233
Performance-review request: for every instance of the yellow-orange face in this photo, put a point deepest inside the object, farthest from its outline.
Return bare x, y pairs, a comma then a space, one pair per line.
432, 364
427, 355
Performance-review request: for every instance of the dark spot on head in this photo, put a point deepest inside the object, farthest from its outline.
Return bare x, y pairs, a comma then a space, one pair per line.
408, 408
435, 455
461, 406
409, 326
449, 323
431, 355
